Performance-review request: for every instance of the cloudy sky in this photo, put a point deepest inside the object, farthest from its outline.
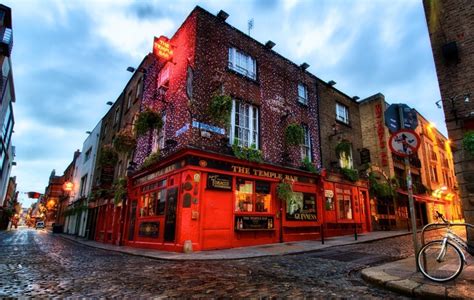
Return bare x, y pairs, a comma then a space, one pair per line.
70, 58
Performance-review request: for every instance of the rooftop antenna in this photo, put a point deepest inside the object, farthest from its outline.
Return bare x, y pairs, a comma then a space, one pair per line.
250, 25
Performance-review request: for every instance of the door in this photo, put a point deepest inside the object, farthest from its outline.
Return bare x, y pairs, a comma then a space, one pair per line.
133, 218
170, 215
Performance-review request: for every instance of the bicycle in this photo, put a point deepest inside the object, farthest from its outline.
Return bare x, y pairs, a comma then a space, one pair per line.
443, 260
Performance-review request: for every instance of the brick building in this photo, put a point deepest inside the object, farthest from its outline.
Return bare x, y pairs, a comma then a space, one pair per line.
450, 24
434, 185
218, 183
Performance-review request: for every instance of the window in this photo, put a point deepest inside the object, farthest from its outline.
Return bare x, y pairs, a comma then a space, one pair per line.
159, 139
242, 63
434, 174
139, 89
244, 124
129, 100
87, 155
251, 196
83, 188
153, 203
306, 147
164, 76
345, 158
343, 196
301, 207
302, 94
117, 116
342, 113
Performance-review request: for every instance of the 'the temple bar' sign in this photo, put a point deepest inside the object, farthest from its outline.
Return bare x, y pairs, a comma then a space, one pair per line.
162, 48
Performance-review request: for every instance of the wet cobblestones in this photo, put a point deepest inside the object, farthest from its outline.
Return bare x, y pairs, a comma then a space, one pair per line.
38, 264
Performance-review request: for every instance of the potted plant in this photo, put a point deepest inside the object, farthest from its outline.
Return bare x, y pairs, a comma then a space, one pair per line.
124, 141
307, 165
294, 134
247, 153
148, 120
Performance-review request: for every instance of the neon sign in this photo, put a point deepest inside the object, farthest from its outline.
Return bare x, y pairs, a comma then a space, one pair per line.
162, 48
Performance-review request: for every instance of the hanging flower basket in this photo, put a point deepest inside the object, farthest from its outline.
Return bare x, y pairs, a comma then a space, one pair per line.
120, 188
284, 191
220, 108
108, 156
294, 134
124, 141
148, 120
468, 142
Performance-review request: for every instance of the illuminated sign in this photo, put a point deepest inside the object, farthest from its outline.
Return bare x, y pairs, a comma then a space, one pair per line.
162, 48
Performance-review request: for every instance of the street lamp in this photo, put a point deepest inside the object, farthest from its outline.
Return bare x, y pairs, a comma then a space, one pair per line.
452, 99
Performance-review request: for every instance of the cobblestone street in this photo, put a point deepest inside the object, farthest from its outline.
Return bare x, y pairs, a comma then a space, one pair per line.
37, 263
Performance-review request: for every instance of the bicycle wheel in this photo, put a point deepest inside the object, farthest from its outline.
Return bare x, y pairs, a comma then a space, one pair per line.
447, 267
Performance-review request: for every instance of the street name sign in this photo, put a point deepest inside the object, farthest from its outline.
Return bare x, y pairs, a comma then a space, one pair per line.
392, 117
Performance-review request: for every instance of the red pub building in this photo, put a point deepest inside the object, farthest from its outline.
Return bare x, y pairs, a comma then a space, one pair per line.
221, 182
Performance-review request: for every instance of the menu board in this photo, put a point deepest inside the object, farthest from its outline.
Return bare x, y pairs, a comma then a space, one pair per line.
149, 229
253, 222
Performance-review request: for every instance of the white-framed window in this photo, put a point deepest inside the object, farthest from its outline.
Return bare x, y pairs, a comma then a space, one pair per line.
244, 127
242, 63
159, 138
302, 94
342, 113
87, 155
306, 146
345, 159
83, 188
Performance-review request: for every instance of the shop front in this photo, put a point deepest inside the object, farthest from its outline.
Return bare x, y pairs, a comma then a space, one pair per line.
213, 201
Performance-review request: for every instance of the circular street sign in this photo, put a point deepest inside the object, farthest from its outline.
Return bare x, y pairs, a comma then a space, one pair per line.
404, 142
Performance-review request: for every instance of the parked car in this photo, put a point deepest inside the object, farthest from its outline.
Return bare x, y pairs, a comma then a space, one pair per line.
39, 224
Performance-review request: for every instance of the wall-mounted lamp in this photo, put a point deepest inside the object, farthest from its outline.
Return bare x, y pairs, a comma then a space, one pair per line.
88, 132
466, 97
269, 45
331, 82
355, 98
131, 69
109, 103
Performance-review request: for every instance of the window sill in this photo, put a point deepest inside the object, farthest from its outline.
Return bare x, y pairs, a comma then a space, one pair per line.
344, 123
303, 104
255, 81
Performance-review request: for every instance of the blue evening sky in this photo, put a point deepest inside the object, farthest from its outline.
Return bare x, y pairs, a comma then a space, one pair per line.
70, 58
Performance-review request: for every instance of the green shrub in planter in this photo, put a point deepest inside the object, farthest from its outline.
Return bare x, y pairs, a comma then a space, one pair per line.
343, 147
350, 174
307, 165
294, 134
468, 142
220, 109
148, 120
247, 153
151, 159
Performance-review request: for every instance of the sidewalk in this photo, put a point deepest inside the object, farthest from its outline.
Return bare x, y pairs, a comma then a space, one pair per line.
243, 252
399, 276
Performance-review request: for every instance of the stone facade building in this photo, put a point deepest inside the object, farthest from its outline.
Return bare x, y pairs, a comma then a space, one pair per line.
451, 28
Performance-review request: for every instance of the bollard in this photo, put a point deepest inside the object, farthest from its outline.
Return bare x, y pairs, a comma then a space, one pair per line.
355, 231
322, 233
188, 246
